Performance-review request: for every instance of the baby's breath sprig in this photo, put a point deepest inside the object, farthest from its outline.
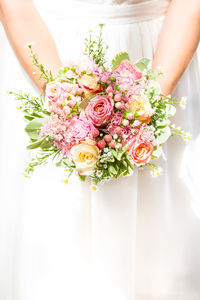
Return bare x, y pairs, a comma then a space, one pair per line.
154, 170
186, 136
41, 159
95, 48
28, 104
44, 73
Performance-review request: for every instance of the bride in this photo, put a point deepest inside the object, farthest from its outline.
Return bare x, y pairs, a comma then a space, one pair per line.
136, 238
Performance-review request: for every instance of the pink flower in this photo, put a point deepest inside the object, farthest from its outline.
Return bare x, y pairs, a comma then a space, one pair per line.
81, 128
112, 144
104, 76
127, 69
70, 74
87, 65
53, 91
67, 87
57, 129
115, 122
71, 103
117, 97
100, 110
118, 105
108, 138
101, 144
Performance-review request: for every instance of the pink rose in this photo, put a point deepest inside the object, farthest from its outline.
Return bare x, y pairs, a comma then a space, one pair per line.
140, 151
127, 69
53, 91
81, 128
100, 110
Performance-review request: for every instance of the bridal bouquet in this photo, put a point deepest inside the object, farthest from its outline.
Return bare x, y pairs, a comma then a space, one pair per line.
99, 119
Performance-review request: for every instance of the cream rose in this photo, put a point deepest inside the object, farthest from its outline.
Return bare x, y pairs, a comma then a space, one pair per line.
85, 156
89, 83
142, 106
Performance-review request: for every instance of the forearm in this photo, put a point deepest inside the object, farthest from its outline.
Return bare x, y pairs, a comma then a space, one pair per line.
177, 42
23, 23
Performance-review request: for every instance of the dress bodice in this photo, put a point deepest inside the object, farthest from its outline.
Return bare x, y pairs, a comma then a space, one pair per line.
105, 11
112, 1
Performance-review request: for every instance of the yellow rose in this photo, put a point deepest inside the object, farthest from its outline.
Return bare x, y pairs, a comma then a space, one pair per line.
85, 156
142, 108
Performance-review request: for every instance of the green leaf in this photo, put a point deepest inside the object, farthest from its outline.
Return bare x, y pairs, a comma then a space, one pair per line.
163, 134
33, 127
82, 177
112, 170
160, 123
170, 110
119, 58
156, 154
142, 64
36, 144
117, 154
35, 124
46, 144
28, 118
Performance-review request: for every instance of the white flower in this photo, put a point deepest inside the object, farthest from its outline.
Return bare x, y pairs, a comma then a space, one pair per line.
183, 102
187, 137
105, 150
99, 173
29, 44
156, 171
109, 154
108, 178
94, 188
115, 136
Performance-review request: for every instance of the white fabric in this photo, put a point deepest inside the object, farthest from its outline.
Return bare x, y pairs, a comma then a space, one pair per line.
134, 239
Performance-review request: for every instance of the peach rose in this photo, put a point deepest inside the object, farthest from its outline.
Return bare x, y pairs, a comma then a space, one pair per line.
141, 108
140, 152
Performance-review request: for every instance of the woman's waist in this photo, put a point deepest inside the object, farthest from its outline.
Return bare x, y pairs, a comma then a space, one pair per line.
83, 12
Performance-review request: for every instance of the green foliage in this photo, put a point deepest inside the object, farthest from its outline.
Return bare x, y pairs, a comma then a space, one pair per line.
160, 119
119, 58
43, 73
95, 48
44, 143
41, 159
33, 128
162, 134
62, 75
115, 163
170, 110
68, 165
142, 64
32, 107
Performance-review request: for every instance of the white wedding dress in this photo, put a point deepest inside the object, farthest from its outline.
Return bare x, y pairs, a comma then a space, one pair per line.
137, 238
